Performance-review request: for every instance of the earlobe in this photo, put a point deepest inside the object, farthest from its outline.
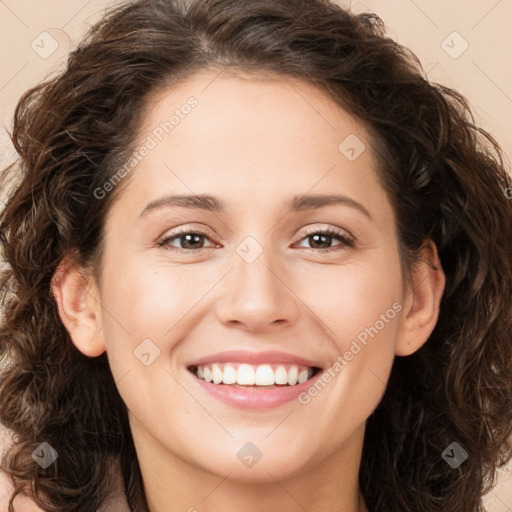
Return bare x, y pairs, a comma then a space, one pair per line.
422, 305
78, 303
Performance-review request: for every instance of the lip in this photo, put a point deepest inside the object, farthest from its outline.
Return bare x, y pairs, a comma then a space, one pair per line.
244, 356
254, 398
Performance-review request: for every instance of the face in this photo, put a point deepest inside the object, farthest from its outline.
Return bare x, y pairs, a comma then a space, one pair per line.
268, 279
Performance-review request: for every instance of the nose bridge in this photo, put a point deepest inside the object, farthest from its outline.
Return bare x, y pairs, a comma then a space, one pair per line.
253, 265
256, 293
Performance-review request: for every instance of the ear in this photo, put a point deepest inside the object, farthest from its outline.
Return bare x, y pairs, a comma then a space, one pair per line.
79, 305
421, 308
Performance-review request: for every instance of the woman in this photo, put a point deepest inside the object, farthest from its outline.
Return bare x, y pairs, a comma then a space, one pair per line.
338, 343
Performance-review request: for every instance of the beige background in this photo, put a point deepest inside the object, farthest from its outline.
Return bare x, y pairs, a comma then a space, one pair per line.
480, 71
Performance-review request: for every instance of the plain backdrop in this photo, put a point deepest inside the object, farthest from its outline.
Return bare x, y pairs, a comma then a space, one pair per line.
461, 44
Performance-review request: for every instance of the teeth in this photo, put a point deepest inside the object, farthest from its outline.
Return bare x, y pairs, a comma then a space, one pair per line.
245, 375
217, 374
207, 374
281, 375
264, 375
303, 376
254, 375
229, 375
293, 373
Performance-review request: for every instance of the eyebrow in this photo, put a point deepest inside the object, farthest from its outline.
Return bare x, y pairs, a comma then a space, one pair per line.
213, 204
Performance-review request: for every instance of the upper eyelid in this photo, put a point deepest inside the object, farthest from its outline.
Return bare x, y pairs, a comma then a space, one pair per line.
336, 230
306, 231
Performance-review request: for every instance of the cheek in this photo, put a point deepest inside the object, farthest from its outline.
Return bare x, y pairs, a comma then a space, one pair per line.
359, 307
142, 302
352, 298
145, 318
149, 299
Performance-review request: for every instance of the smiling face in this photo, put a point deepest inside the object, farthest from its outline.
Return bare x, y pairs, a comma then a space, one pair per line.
258, 275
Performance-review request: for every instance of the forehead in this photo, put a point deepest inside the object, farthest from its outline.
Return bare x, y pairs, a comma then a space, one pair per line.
265, 98
250, 138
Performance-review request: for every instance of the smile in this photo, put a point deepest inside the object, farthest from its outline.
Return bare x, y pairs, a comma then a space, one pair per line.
267, 376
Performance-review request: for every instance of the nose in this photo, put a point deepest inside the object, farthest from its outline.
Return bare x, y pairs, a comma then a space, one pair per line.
257, 296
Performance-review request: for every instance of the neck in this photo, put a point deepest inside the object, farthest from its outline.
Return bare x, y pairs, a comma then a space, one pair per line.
173, 485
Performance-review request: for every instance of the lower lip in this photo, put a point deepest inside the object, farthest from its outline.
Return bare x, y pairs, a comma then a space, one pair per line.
255, 398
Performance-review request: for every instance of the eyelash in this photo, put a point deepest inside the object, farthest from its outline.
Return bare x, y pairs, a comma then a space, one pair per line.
347, 242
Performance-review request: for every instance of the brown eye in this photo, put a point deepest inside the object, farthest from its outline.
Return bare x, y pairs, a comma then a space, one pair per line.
190, 241
322, 239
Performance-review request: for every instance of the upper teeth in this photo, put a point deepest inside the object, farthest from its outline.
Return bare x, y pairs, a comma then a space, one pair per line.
250, 375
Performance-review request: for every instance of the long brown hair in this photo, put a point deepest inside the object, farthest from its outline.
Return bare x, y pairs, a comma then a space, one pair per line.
445, 176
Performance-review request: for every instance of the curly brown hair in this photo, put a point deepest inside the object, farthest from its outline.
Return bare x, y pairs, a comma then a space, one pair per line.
445, 176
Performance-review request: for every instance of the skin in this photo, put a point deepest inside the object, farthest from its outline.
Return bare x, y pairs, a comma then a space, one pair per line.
253, 142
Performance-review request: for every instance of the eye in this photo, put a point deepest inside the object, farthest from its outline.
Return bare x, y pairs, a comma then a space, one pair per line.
325, 237
190, 240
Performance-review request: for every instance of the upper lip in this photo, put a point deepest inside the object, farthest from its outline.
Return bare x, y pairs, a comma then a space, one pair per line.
265, 357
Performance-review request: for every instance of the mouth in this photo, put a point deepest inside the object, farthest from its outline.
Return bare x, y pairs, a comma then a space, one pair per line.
254, 376
254, 380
